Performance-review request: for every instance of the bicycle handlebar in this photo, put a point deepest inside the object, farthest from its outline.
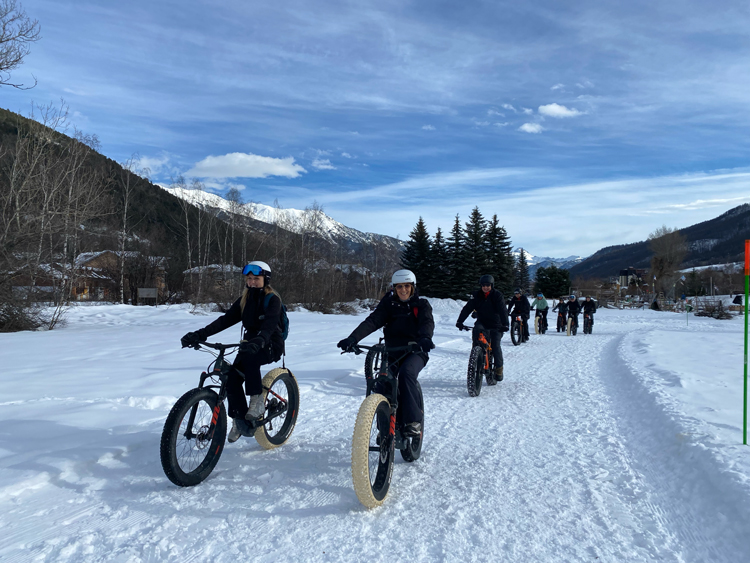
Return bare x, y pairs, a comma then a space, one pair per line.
216, 346
357, 348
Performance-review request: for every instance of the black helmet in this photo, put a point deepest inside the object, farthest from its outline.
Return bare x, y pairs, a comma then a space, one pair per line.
517, 290
487, 279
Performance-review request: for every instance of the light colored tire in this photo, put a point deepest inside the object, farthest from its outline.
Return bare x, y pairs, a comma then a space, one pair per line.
368, 494
570, 323
536, 326
264, 438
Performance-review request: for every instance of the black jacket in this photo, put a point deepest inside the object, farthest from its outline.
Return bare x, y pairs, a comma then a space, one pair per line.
491, 311
588, 307
402, 321
267, 328
562, 306
519, 306
574, 307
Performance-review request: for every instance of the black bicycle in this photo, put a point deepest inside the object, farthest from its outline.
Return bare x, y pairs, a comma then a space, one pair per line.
481, 364
540, 323
196, 427
516, 330
588, 323
377, 432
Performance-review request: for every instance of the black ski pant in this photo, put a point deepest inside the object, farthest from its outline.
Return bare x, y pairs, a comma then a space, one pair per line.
408, 395
495, 335
248, 364
542, 313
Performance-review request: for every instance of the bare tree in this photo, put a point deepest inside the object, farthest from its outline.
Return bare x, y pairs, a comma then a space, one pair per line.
130, 173
669, 247
17, 32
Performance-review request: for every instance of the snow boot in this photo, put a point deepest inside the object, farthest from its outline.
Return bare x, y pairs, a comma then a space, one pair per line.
413, 429
257, 407
499, 373
234, 433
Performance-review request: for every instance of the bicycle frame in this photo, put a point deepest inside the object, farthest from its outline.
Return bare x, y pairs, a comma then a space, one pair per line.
222, 369
484, 343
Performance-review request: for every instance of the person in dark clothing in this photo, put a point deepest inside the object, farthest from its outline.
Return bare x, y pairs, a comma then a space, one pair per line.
588, 307
519, 306
574, 307
562, 311
404, 318
492, 318
262, 343
737, 300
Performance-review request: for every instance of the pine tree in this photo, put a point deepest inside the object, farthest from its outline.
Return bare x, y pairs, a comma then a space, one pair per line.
475, 235
416, 256
500, 261
521, 276
440, 272
456, 261
552, 281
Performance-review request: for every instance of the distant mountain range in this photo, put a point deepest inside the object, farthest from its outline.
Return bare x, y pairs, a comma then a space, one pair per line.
265, 217
535, 262
717, 241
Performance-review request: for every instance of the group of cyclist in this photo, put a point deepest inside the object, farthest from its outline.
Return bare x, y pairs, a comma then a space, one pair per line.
404, 317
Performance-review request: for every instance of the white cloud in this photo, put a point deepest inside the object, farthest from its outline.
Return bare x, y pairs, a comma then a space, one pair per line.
585, 84
245, 165
558, 87
323, 164
428, 127
478, 123
509, 107
504, 124
495, 112
155, 164
531, 128
527, 111
346, 155
556, 110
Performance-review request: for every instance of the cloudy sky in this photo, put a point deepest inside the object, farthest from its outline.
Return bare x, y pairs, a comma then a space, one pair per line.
580, 124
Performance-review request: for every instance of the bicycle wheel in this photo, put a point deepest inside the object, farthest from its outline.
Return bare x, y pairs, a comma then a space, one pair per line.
372, 359
373, 449
537, 326
574, 327
413, 448
189, 452
279, 385
570, 324
515, 333
490, 373
475, 372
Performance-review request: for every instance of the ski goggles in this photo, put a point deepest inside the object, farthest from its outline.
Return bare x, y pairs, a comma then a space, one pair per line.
253, 269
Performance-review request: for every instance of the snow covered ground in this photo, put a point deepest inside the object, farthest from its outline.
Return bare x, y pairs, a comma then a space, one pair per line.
624, 445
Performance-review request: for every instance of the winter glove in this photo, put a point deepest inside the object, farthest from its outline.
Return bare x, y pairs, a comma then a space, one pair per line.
251, 346
347, 344
192, 339
459, 325
425, 344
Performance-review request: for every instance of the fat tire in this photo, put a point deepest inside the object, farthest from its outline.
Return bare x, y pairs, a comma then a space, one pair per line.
369, 493
537, 326
171, 449
264, 435
413, 448
515, 333
567, 328
475, 372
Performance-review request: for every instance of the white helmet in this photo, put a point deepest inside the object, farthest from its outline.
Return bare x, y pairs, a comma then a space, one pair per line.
257, 268
403, 276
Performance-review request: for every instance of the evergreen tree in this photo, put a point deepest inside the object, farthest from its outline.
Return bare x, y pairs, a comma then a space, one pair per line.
456, 261
552, 281
475, 236
440, 272
416, 256
500, 261
521, 276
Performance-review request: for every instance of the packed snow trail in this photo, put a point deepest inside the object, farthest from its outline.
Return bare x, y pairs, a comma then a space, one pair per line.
573, 457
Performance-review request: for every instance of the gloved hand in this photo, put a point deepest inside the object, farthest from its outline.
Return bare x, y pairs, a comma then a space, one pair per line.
459, 325
425, 344
192, 339
251, 346
347, 344
474, 314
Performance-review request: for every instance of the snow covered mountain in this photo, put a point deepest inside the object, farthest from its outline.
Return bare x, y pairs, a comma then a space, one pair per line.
309, 221
535, 262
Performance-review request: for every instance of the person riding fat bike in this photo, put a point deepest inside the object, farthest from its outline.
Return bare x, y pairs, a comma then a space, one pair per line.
405, 318
519, 305
542, 308
562, 312
491, 315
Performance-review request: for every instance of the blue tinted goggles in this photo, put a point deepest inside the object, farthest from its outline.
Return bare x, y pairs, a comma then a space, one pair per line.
253, 269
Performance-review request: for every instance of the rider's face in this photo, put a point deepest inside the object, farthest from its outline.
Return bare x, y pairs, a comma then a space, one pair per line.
403, 290
254, 281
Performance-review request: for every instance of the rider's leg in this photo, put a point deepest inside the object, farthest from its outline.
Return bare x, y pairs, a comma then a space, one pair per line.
408, 397
475, 333
525, 325
497, 351
249, 364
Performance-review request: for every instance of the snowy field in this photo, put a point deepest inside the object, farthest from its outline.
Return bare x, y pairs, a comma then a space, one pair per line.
620, 446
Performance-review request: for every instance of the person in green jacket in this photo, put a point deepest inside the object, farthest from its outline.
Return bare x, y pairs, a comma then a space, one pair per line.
540, 303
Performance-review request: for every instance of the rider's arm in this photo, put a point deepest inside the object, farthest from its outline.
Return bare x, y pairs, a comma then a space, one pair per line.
425, 320
373, 322
270, 322
231, 317
466, 311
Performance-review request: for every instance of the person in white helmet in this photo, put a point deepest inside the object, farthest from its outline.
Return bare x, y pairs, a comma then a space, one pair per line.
262, 343
404, 317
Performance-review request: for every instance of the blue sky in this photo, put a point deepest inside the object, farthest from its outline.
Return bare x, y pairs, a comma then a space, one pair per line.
580, 124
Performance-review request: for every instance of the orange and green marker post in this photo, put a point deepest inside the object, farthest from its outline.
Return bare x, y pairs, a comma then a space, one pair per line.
747, 297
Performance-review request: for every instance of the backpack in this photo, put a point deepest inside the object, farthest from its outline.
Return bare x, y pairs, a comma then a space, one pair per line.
283, 317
